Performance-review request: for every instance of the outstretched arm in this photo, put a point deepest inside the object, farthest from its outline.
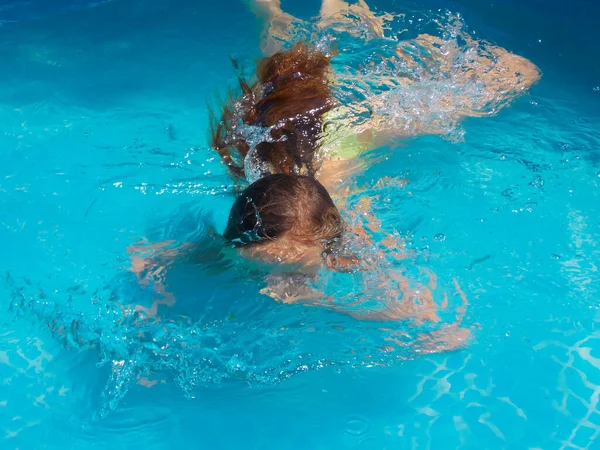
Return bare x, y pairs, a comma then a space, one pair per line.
149, 263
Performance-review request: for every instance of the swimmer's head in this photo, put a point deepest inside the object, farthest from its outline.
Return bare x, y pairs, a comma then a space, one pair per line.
284, 217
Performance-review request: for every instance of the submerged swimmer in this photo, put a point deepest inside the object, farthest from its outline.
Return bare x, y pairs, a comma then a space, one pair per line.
291, 101
286, 214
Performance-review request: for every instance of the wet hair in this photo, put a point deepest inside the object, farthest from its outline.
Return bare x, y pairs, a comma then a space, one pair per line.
278, 205
288, 100
290, 96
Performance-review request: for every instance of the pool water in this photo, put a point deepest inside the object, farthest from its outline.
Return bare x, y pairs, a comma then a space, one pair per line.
105, 116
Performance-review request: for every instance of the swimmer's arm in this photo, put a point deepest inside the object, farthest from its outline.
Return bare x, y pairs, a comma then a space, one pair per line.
288, 293
403, 300
150, 261
152, 258
415, 305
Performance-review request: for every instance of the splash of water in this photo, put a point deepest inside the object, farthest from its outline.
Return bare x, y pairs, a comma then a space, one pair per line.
416, 73
253, 338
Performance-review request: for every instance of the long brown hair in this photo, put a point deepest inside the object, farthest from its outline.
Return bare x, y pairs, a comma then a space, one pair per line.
290, 95
287, 101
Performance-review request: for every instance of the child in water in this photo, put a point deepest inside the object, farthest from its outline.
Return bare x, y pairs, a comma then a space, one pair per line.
286, 211
286, 214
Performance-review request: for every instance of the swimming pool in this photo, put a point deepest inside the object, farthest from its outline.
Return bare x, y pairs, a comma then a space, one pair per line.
105, 119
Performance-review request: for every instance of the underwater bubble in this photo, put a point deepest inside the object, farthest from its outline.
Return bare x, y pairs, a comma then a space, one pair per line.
439, 237
529, 206
357, 426
537, 182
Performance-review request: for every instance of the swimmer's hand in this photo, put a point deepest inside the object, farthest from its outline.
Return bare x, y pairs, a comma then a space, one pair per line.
149, 261
290, 290
345, 263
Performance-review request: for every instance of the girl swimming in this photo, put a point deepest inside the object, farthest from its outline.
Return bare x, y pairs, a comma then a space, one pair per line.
289, 139
290, 104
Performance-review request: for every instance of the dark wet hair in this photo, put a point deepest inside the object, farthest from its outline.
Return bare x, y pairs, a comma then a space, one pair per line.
290, 95
288, 100
277, 205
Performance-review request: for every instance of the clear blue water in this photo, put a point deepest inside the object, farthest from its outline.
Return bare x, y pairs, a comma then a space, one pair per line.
104, 141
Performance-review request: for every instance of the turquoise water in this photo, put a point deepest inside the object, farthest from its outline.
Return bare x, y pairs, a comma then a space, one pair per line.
105, 118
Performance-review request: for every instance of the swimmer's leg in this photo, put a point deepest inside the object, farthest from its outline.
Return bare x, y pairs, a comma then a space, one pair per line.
341, 15
276, 24
500, 74
265, 8
332, 7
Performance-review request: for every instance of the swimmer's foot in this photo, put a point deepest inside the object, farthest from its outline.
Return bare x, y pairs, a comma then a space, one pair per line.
331, 7
277, 24
343, 16
265, 8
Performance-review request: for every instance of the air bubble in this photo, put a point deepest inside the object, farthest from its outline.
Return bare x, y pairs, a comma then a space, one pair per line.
439, 237
357, 426
537, 182
529, 206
